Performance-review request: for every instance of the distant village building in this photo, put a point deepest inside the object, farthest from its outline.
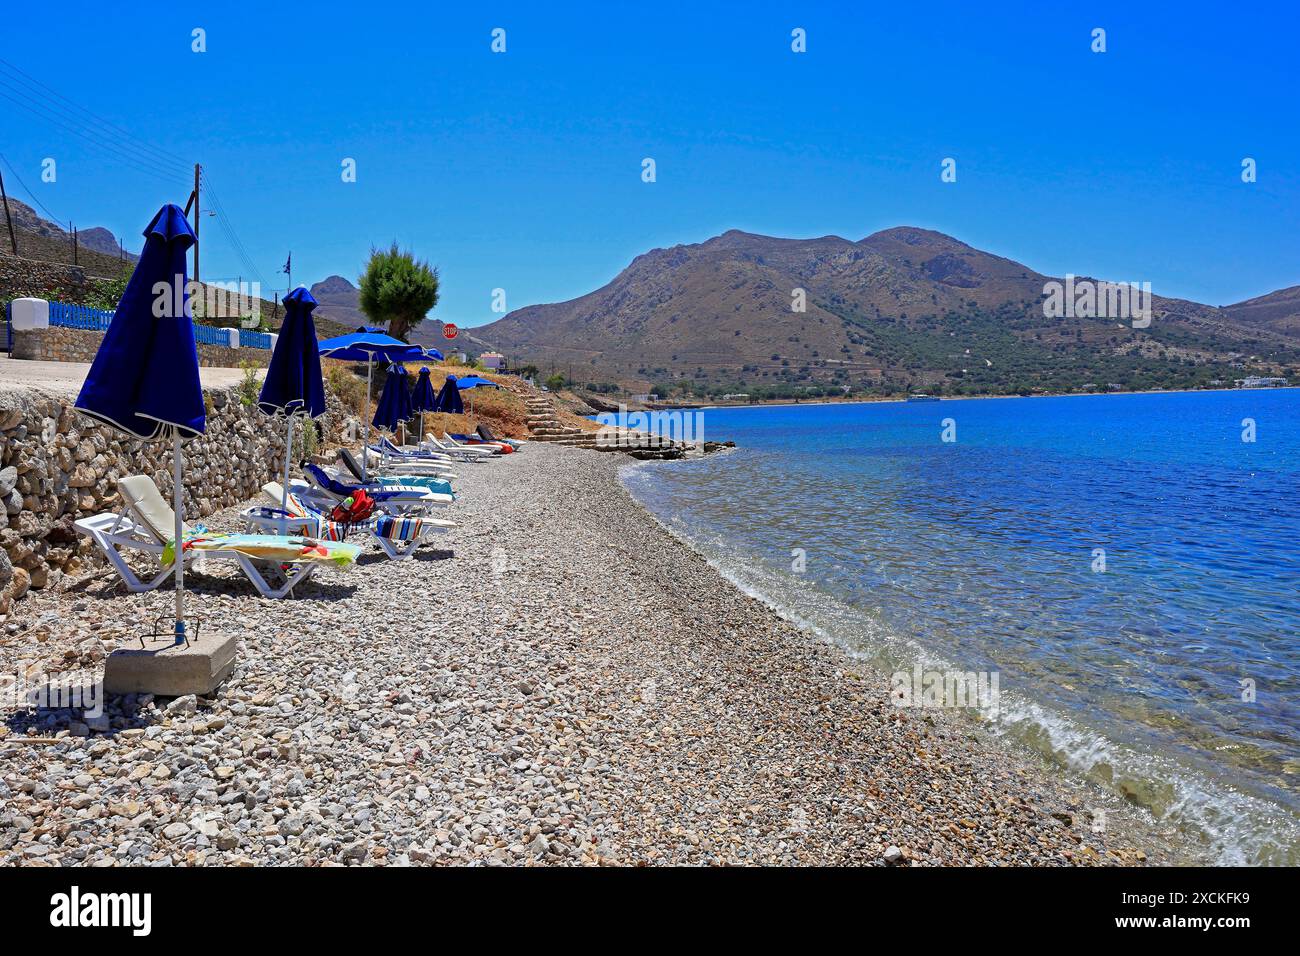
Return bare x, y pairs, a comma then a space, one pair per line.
1260, 381
493, 361
735, 396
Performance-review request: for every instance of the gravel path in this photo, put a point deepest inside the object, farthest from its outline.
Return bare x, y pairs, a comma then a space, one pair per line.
563, 683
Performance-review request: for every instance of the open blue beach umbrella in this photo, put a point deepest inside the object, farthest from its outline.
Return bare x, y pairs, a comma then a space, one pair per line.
293, 383
474, 381
370, 345
395, 401
423, 397
449, 400
145, 377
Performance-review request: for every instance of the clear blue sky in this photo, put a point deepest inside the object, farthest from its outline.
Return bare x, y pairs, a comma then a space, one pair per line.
523, 170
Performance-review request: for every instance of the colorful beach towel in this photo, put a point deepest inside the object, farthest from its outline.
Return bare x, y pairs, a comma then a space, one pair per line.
308, 521
282, 549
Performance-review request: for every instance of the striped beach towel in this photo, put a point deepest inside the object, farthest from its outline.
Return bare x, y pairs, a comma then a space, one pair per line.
308, 521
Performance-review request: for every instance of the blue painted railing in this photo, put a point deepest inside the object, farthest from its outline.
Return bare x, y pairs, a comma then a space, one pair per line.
211, 335
97, 320
79, 317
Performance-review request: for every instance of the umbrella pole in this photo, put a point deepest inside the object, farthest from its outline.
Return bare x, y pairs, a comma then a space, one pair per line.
288, 458
365, 448
178, 498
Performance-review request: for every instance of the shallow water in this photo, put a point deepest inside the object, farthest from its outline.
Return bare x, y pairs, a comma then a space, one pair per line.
1122, 562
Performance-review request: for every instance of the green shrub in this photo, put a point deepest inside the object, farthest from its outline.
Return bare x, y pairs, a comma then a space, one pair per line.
249, 387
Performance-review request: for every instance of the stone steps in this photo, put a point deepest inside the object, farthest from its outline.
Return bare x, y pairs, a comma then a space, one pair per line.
544, 425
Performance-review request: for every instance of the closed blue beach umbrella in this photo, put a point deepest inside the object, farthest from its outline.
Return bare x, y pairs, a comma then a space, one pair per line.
423, 397
293, 385
145, 377
449, 400
395, 401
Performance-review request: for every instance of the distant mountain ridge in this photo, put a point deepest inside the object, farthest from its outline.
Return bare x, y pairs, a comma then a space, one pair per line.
901, 308
339, 301
27, 220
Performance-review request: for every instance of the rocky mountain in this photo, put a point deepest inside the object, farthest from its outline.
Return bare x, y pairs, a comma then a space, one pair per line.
28, 222
902, 308
1278, 311
339, 302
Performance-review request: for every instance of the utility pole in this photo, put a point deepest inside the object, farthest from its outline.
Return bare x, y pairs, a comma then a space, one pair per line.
74, 244
13, 241
197, 217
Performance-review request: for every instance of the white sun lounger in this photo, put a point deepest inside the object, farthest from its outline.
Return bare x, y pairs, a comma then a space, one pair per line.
466, 452
390, 466
397, 535
396, 499
349, 463
145, 524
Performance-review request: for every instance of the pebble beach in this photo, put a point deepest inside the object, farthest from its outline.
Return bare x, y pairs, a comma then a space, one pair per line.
557, 680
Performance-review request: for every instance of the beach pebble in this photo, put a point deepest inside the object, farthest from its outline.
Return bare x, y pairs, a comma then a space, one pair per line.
556, 680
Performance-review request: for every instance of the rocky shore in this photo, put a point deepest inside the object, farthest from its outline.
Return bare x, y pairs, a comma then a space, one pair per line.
562, 683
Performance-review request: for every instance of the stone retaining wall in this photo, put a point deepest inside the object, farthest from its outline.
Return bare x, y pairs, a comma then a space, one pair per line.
56, 465
60, 344
45, 280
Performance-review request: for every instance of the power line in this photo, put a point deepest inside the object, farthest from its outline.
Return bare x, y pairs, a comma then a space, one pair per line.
120, 154
35, 87
227, 227
53, 218
40, 100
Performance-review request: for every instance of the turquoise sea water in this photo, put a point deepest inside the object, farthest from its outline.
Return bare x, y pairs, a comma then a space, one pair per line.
1123, 562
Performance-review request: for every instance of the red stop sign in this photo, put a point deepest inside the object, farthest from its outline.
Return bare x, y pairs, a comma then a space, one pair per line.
449, 331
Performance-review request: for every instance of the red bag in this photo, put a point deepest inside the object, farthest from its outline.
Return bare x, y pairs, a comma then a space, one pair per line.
354, 509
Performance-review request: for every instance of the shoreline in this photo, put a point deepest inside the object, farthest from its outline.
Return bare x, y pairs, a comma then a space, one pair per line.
563, 681
1133, 822
784, 403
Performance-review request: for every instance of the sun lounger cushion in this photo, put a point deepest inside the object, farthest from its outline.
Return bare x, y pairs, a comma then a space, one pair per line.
142, 496
428, 483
